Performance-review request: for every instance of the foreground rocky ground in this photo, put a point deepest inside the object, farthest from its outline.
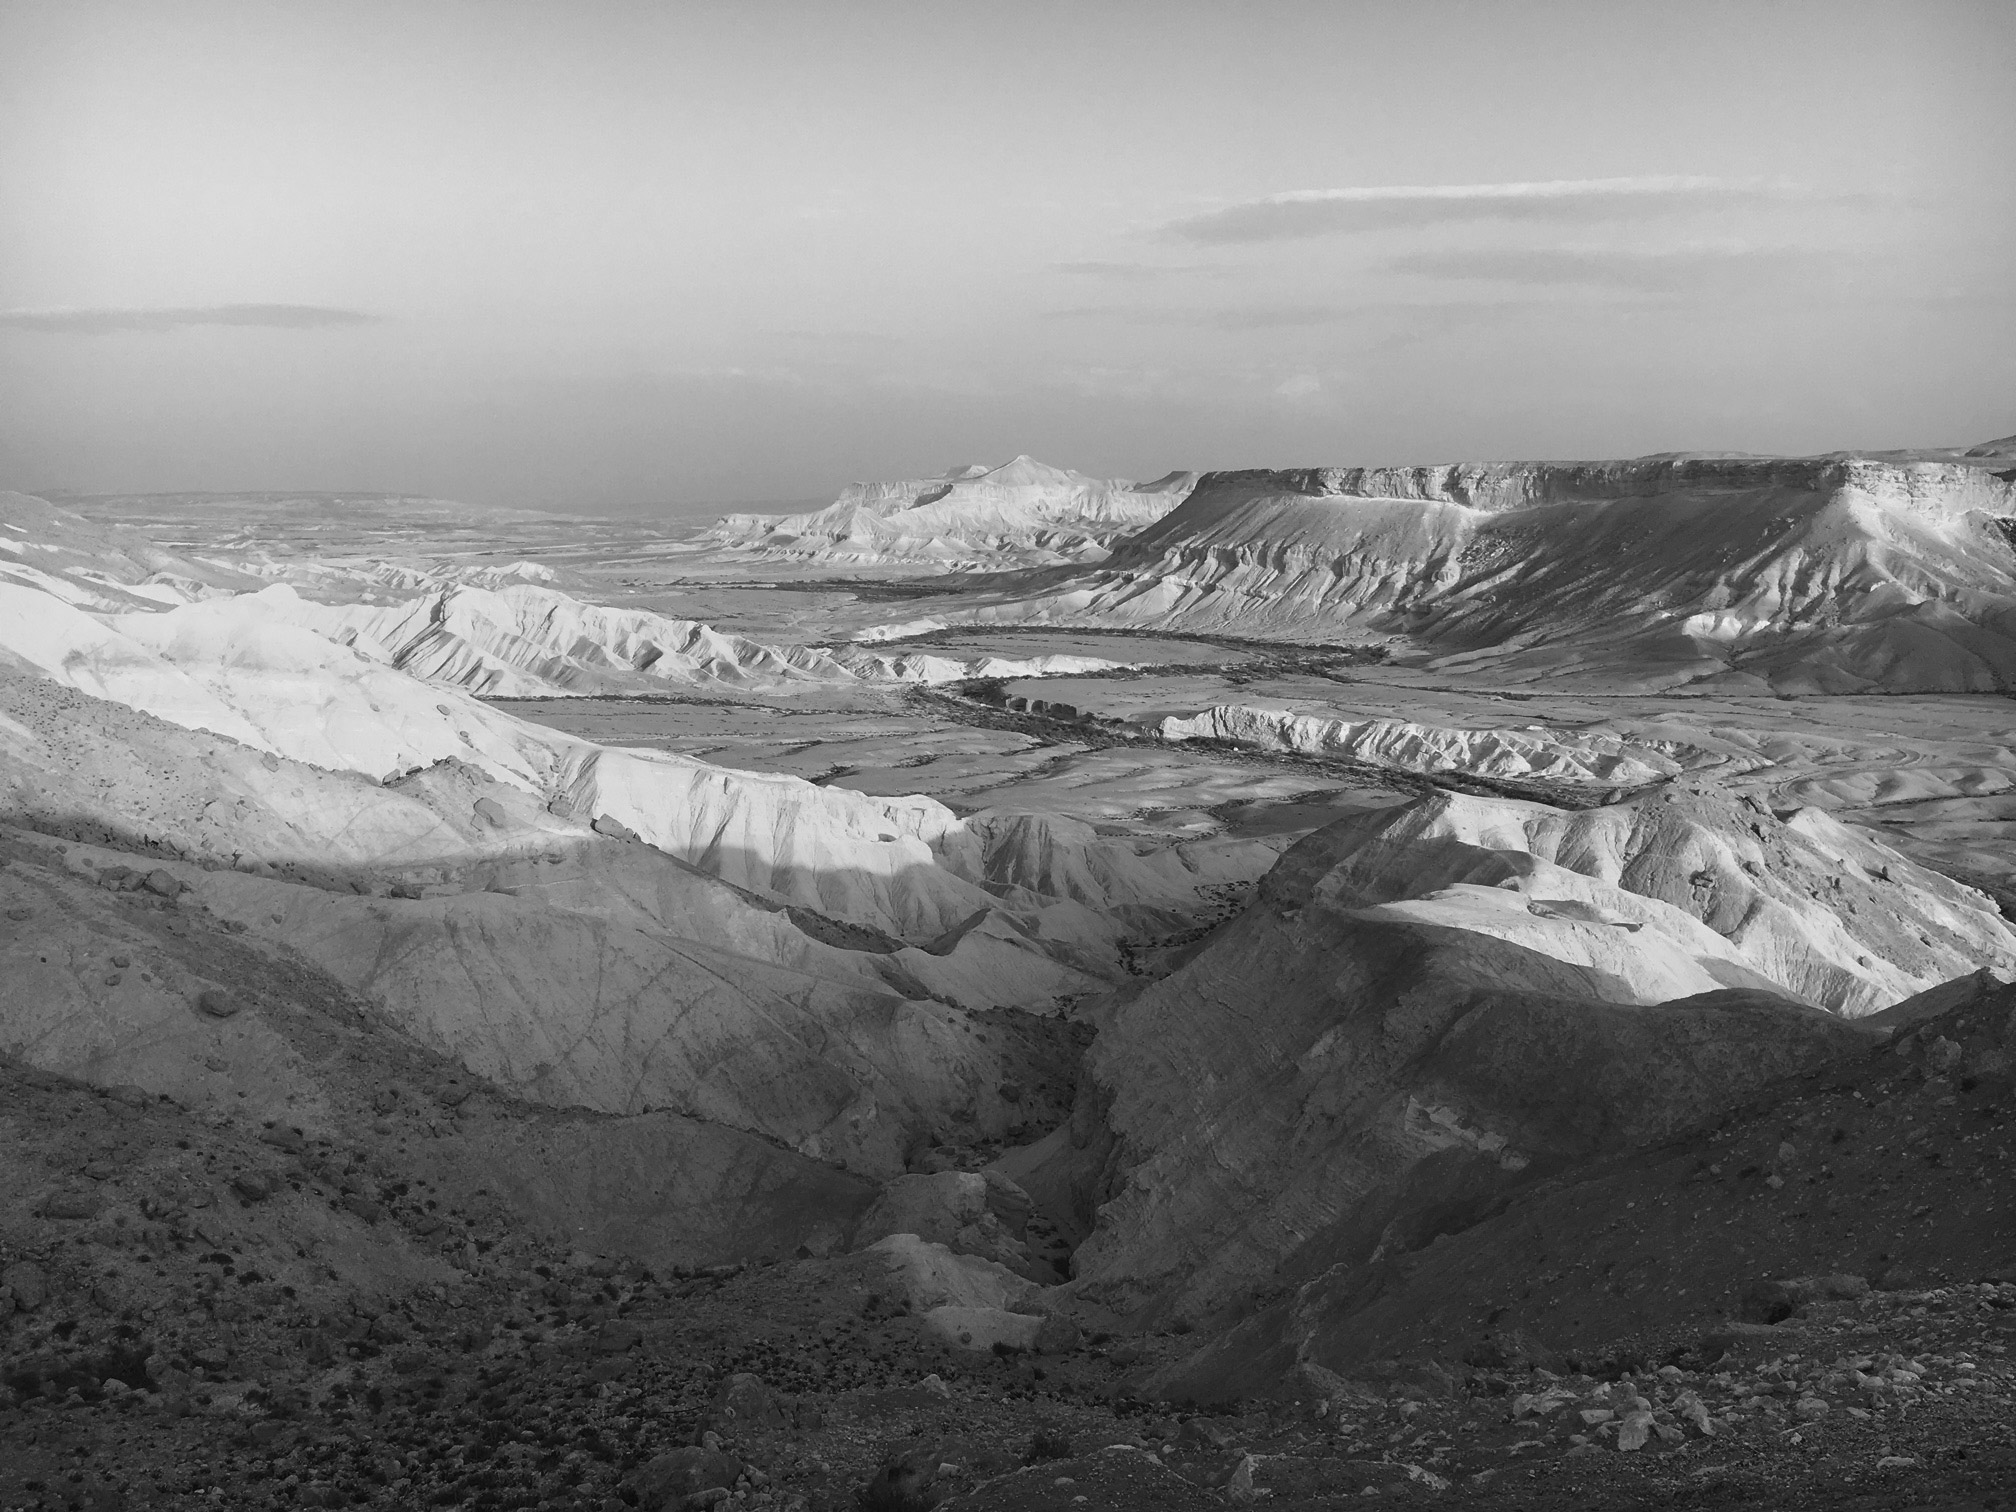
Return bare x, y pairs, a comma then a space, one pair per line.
207, 1310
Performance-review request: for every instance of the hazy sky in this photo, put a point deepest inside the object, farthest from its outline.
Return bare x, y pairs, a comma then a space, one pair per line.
606, 253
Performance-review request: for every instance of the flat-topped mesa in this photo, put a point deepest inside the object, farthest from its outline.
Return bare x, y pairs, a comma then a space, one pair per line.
1786, 575
1023, 512
1496, 487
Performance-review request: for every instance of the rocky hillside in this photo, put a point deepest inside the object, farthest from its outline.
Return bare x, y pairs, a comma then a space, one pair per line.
1731, 574
607, 929
1427, 1007
521, 640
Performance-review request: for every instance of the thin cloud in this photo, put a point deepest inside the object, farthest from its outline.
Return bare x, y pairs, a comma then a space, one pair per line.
1246, 318
851, 338
1322, 212
1679, 271
173, 318
1138, 272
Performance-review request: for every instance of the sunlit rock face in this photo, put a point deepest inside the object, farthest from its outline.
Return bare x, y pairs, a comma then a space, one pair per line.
1428, 1005
622, 930
1789, 575
523, 640
1022, 513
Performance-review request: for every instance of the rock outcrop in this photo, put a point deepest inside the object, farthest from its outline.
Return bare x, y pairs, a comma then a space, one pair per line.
611, 929
1410, 746
525, 640
1789, 575
1428, 1006
1020, 514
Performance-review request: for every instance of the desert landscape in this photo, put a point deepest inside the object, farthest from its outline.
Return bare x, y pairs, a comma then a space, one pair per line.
1039, 757
1481, 981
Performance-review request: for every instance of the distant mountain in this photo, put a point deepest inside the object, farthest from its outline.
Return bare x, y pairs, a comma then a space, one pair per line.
1023, 513
1786, 575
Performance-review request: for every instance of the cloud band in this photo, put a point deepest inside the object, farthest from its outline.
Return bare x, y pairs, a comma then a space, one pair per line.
1321, 212
106, 322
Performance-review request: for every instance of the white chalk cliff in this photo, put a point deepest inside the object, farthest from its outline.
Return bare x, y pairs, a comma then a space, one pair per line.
1791, 575
1023, 513
616, 929
1410, 746
525, 640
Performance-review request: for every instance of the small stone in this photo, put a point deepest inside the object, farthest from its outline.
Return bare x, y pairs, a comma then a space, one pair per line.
255, 1186
28, 1282
745, 1402
1205, 1433
906, 1478
1058, 1335
20, 915
163, 883
217, 1003
1240, 1487
72, 1205
619, 1336
676, 1479
1810, 1409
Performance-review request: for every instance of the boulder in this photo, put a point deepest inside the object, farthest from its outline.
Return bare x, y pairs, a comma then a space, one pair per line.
984, 1330
217, 1003
743, 1403
969, 1212
930, 1275
1058, 1335
906, 1480
662, 1484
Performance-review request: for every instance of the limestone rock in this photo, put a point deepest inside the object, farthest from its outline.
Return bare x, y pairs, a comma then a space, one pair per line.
1022, 513
744, 1403
930, 1275
1815, 574
662, 1484
1389, 1031
970, 1213
980, 1329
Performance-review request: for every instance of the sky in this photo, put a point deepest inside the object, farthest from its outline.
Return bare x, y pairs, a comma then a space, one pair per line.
680, 256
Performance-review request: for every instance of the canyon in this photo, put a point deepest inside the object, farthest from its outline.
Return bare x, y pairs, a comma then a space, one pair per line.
1149, 938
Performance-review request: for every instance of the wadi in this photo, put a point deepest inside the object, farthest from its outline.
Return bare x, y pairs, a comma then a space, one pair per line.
1015, 990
